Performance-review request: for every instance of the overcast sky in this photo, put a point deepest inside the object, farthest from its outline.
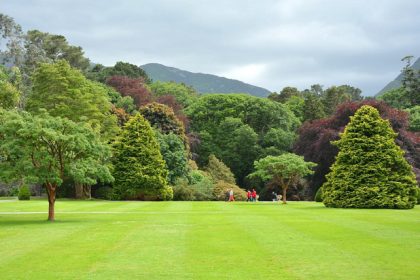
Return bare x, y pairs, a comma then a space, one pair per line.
271, 44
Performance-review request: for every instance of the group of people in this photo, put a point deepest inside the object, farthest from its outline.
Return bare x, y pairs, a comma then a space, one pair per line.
251, 195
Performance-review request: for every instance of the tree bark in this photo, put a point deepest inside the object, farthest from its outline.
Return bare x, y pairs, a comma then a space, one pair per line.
87, 192
51, 188
284, 195
78, 190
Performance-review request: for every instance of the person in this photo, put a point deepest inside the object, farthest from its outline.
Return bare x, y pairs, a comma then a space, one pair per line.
254, 195
227, 195
274, 196
248, 195
231, 198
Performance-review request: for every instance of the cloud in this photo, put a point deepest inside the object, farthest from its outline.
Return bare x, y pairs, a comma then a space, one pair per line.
269, 43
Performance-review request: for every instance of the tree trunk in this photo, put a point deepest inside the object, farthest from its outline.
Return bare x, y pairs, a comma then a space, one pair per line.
284, 194
51, 200
87, 192
78, 190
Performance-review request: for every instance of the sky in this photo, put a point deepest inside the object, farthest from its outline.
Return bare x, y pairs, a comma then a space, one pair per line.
272, 44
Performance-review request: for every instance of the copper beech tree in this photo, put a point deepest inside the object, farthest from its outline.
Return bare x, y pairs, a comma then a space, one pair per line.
46, 150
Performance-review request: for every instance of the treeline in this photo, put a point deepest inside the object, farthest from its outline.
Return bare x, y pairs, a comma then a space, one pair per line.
81, 129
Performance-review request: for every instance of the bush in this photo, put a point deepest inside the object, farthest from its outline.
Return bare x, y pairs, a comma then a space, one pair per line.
318, 195
13, 191
24, 193
104, 193
182, 191
418, 196
221, 187
167, 194
203, 189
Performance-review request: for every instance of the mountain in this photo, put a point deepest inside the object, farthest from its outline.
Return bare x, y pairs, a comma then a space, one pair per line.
203, 83
397, 81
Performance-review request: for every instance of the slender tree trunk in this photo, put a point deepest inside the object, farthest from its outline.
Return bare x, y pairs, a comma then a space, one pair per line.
51, 188
284, 194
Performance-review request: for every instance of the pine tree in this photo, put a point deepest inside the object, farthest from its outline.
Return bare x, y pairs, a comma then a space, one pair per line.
139, 168
370, 170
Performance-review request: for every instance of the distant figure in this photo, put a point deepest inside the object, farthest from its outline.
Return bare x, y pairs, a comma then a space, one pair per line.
274, 196
227, 195
254, 195
231, 198
248, 195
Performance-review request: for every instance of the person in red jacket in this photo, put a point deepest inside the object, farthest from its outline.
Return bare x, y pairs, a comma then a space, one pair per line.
248, 195
254, 195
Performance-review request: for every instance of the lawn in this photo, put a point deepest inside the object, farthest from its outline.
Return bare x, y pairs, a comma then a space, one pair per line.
206, 240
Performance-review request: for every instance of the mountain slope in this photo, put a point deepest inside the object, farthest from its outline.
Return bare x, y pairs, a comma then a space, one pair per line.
397, 82
203, 83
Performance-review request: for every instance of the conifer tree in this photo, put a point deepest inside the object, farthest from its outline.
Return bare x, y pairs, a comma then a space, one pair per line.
139, 168
370, 170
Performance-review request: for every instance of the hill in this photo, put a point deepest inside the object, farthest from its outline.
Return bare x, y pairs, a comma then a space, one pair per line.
203, 83
397, 81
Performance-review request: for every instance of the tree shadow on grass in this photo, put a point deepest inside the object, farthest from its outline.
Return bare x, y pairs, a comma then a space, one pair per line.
10, 222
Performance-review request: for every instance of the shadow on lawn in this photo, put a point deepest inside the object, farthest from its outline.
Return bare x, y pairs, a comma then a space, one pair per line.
8, 222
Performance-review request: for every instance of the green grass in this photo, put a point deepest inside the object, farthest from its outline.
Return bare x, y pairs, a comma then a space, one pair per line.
206, 240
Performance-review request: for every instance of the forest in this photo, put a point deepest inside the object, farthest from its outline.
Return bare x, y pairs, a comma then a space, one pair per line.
77, 129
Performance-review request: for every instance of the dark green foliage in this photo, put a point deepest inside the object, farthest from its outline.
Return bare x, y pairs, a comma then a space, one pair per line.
24, 193
101, 73
176, 158
313, 108
104, 193
319, 196
414, 118
232, 127
370, 170
139, 168
218, 171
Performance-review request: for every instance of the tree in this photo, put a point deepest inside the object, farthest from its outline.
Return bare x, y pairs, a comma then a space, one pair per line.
175, 155
11, 36
219, 171
64, 92
411, 83
332, 97
163, 118
414, 118
47, 150
42, 47
314, 141
313, 108
284, 170
370, 170
139, 168
134, 87
9, 87
184, 95
101, 73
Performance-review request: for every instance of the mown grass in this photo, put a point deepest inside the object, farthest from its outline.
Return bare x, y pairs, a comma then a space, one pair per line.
206, 240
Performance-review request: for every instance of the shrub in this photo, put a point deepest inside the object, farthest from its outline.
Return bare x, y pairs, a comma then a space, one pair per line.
418, 196
203, 189
104, 193
318, 195
167, 193
182, 191
13, 191
24, 193
221, 187
219, 171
